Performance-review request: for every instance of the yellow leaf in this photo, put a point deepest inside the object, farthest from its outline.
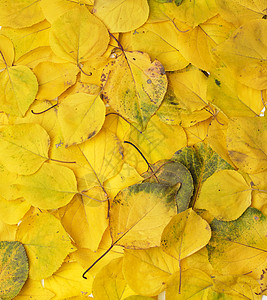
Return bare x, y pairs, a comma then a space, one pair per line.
259, 201
109, 283
81, 117
245, 54
185, 97
246, 143
237, 287
185, 234
198, 260
11, 212
23, 147
78, 35
239, 12
139, 213
190, 12
34, 289
38, 55
103, 155
53, 9
54, 79
230, 96
6, 52
156, 142
122, 15
157, 47
67, 282
239, 247
225, 194
133, 86
29, 38
20, 86
148, 271
20, 13
7, 232
126, 177
80, 220
92, 70
217, 136
6, 190
86, 257
52, 186
195, 45
46, 243
192, 284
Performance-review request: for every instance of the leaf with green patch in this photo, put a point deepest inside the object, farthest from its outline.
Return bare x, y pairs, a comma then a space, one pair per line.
13, 269
133, 86
239, 246
139, 214
169, 172
202, 162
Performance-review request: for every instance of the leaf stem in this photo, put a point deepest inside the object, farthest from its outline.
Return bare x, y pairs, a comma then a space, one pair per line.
39, 113
149, 166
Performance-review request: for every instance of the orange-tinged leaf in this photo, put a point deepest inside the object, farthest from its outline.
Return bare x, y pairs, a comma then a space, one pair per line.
6, 52
147, 271
46, 244
23, 147
109, 283
20, 13
78, 35
246, 143
13, 269
225, 194
139, 213
52, 186
133, 86
245, 54
239, 246
185, 234
67, 282
20, 86
81, 117
80, 219
122, 15
54, 79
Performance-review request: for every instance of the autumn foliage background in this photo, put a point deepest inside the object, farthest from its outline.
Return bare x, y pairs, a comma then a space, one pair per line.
134, 129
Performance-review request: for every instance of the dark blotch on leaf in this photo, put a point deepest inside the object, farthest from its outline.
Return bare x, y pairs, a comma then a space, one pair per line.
218, 82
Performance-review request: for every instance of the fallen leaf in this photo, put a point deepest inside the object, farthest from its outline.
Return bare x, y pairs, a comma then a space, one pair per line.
46, 244
225, 194
14, 269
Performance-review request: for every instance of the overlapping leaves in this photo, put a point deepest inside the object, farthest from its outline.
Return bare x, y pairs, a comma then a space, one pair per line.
132, 142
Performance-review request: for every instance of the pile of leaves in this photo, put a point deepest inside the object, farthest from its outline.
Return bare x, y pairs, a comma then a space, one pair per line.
133, 151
